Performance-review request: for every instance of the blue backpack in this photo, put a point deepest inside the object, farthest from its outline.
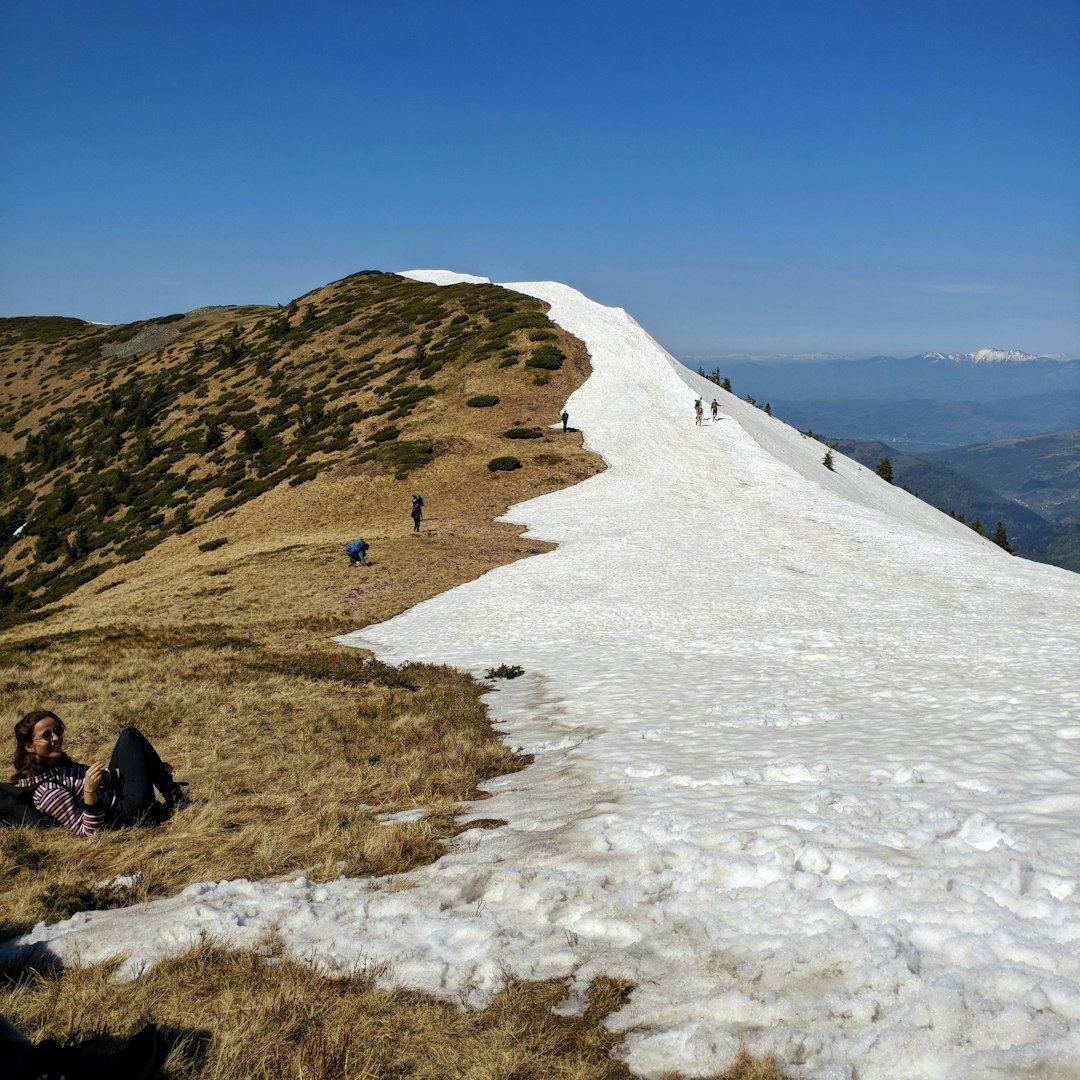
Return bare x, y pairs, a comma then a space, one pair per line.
356, 547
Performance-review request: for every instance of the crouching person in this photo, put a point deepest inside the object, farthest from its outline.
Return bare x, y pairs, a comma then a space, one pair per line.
357, 551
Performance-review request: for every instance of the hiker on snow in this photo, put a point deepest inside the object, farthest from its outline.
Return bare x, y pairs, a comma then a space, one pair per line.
565, 420
698, 412
714, 406
417, 511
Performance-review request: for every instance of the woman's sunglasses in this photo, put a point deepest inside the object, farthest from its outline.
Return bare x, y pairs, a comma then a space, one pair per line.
52, 733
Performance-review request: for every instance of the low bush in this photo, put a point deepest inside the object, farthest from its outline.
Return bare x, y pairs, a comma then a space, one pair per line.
504, 464
523, 433
547, 357
482, 401
505, 671
213, 545
385, 434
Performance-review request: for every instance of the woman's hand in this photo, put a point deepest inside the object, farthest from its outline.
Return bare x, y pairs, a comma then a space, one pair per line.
91, 781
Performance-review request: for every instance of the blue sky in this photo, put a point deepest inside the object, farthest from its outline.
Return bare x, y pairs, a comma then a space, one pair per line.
841, 177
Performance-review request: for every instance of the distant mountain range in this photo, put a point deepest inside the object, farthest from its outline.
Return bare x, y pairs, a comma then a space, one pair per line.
920, 404
991, 356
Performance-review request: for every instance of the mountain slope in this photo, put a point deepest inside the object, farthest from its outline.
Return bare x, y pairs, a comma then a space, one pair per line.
119, 439
1031, 535
921, 404
1040, 471
806, 762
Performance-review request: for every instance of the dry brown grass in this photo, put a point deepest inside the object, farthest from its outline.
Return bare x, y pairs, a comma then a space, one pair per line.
290, 759
247, 1014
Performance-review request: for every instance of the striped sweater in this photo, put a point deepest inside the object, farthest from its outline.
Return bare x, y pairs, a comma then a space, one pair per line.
58, 793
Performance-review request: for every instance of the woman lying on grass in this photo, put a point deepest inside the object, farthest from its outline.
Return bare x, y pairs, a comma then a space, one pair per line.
86, 798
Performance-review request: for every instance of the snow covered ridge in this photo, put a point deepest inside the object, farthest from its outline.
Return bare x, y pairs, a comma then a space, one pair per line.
807, 762
990, 356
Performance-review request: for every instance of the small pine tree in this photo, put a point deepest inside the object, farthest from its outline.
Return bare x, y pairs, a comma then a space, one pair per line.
726, 384
768, 409
884, 470
827, 460
1000, 537
213, 438
79, 544
977, 526
251, 442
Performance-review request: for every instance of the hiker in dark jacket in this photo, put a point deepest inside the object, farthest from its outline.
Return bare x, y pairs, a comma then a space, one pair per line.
417, 511
87, 798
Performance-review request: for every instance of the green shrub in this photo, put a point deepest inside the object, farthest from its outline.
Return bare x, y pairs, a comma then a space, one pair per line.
505, 671
504, 464
482, 401
523, 433
213, 545
547, 357
385, 434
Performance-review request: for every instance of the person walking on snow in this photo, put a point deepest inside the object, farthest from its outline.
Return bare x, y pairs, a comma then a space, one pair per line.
714, 406
417, 511
698, 412
565, 420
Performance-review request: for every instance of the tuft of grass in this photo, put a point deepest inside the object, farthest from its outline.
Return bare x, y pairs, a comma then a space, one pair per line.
504, 464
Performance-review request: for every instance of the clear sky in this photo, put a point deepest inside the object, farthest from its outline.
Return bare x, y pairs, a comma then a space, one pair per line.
850, 178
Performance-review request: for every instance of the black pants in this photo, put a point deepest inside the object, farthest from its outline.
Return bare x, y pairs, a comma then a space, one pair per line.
416, 522
140, 771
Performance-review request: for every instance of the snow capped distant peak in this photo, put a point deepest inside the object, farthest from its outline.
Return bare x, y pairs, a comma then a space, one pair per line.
990, 356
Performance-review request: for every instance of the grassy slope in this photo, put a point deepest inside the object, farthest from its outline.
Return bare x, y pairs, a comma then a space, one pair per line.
221, 651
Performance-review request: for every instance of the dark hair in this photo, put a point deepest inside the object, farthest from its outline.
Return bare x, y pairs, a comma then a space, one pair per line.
26, 762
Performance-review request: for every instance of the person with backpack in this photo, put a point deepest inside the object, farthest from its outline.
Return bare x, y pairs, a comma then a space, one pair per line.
87, 798
417, 511
357, 551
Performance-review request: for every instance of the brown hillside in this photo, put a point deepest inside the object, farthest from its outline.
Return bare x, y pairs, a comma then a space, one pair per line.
285, 432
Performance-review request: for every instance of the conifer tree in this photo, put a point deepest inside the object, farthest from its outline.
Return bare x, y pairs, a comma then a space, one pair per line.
726, 384
977, 526
884, 470
1000, 537
213, 438
827, 460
